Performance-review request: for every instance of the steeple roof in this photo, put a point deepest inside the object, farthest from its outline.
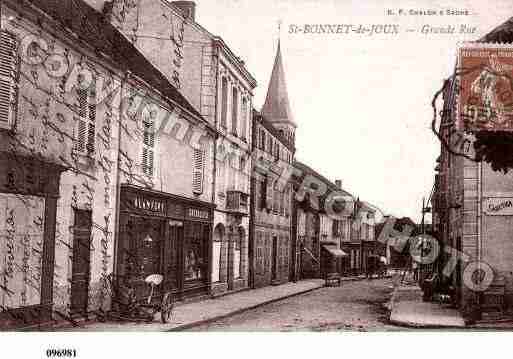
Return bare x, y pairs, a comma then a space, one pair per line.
277, 107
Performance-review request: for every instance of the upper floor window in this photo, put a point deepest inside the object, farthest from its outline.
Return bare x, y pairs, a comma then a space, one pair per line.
243, 119
224, 101
235, 110
8, 77
263, 193
287, 201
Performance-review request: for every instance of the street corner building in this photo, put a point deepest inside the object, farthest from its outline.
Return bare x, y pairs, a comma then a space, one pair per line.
472, 214
90, 173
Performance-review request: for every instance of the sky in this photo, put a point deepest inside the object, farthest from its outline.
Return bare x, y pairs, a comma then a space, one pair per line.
362, 103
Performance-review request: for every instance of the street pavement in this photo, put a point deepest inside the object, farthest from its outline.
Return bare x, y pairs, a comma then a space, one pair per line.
355, 306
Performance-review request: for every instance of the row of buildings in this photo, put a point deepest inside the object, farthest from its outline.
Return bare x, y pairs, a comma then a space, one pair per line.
129, 144
471, 213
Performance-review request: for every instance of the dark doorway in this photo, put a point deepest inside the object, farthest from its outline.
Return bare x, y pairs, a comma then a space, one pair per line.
81, 262
274, 254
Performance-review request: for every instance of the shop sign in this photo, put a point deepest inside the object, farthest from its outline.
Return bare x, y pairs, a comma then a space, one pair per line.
148, 204
498, 206
198, 213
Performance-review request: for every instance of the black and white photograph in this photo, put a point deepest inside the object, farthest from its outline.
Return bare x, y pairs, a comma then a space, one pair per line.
237, 166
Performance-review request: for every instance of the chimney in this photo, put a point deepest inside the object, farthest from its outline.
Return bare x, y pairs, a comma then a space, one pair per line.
338, 183
187, 8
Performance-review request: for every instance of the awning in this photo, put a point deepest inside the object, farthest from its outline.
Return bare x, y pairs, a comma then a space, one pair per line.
335, 251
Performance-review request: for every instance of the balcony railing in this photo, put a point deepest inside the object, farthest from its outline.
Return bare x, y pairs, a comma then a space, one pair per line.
237, 202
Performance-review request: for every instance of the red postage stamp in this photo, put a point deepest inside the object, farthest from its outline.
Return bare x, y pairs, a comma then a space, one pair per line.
486, 88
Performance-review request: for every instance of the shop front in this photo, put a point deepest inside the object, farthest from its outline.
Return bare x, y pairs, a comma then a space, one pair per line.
160, 233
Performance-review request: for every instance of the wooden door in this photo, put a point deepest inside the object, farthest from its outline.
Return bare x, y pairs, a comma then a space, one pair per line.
274, 254
172, 258
81, 262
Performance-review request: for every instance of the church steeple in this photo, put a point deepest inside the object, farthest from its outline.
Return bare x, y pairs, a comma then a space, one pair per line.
276, 108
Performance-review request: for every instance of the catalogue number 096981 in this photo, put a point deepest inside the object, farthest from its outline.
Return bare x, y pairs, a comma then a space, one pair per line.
61, 353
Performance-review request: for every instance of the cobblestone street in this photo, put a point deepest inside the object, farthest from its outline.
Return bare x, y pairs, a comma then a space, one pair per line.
355, 306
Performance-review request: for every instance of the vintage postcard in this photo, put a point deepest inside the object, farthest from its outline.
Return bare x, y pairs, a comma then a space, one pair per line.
254, 166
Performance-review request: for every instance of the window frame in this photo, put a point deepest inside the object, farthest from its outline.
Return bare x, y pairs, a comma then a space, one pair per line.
235, 110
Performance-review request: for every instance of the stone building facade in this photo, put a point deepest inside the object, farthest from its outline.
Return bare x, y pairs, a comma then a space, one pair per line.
271, 199
217, 83
273, 152
80, 104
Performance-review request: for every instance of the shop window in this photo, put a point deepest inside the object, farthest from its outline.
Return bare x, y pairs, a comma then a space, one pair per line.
224, 101
235, 110
195, 251
198, 171
8, 77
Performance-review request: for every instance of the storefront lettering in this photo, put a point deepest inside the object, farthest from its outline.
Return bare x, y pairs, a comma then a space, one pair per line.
148, 204
198, 213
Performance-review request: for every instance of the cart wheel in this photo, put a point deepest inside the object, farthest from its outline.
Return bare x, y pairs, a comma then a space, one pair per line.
166, 307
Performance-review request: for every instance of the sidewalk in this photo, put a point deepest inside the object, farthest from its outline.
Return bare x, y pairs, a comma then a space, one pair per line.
408, 309
192, 314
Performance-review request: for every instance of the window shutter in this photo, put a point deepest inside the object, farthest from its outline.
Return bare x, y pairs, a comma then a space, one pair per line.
80, 143
148, 148
8, 78
86, 122
197, 172
91, 135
